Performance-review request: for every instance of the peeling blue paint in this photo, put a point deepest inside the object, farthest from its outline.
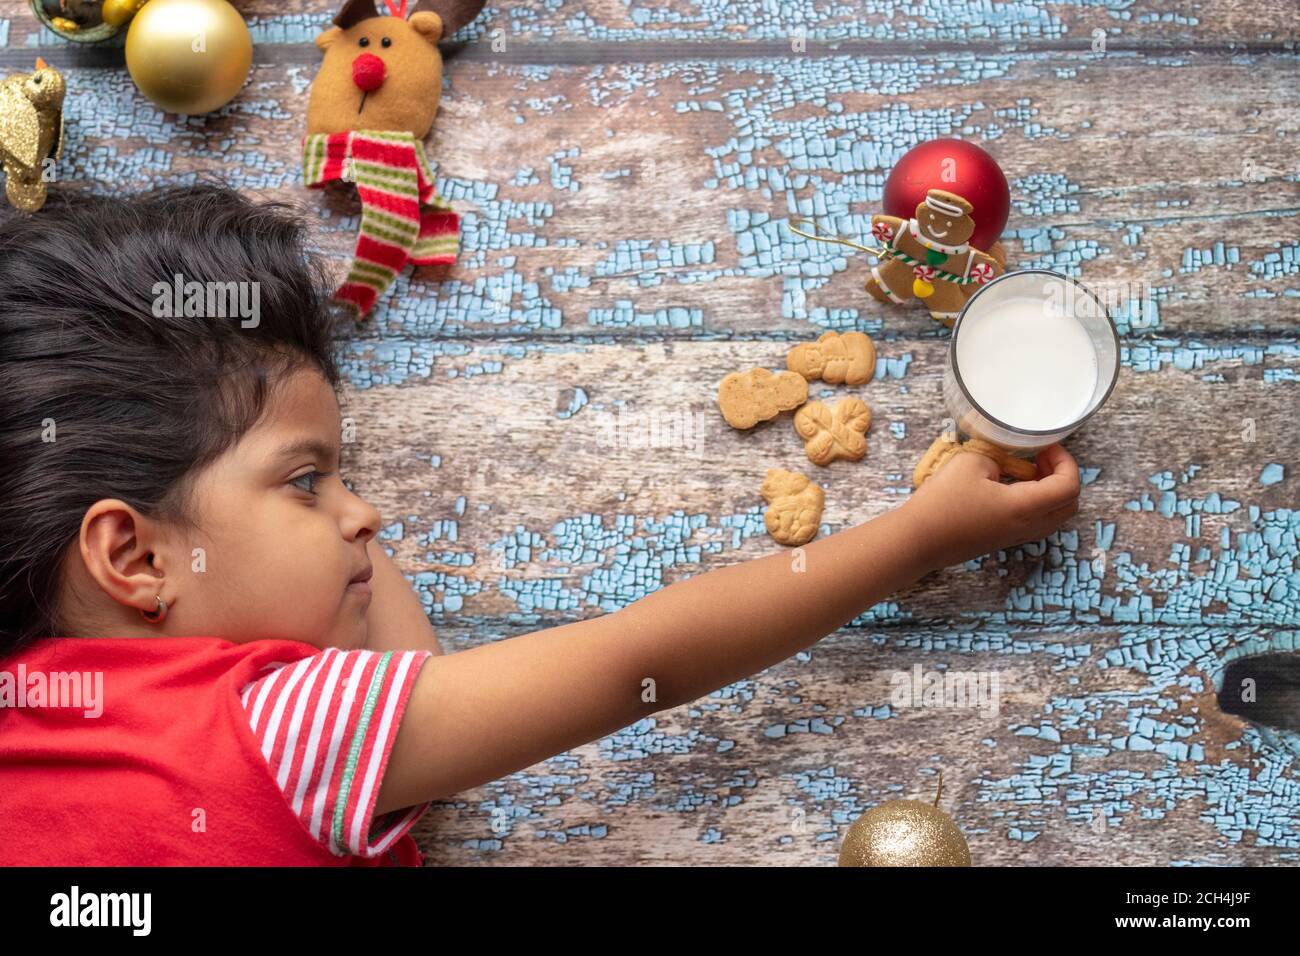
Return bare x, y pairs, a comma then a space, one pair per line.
1194, 260
1044, 195
577, 401
1157, 354
629, 559
1275, 265
787, 147
1272, 474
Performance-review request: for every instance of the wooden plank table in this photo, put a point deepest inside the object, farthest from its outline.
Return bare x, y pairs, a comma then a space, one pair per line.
538, 424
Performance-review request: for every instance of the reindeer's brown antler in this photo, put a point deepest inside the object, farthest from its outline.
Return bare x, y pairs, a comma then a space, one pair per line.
354, 11
454, 14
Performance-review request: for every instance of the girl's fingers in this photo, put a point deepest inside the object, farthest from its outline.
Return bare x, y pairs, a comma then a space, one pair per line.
974, 465
1058, 485
1054, 458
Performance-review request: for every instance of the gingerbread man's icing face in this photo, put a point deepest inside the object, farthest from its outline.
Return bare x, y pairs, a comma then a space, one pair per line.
945, 218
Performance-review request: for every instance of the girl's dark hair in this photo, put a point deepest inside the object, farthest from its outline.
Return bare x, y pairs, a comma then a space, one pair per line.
112, 387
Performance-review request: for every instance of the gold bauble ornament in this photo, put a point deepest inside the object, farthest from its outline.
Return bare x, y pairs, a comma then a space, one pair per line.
189, 56
905, 833
117, 12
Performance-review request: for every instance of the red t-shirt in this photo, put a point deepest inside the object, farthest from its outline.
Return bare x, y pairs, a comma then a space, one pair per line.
198, 751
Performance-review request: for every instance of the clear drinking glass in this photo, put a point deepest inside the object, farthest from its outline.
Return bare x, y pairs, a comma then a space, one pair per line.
1029, 373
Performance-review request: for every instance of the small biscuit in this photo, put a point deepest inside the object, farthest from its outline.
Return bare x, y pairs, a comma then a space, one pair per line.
848, 359
1011, 466
935, 457
747, 398
945, 446
832, 435
795, 507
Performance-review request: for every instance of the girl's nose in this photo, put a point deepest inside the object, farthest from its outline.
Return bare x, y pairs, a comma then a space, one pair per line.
368, 72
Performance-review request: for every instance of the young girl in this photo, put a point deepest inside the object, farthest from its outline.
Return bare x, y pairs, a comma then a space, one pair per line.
241, 675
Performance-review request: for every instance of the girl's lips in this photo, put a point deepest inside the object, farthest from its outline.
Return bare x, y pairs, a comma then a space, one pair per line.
360, 583
363, 576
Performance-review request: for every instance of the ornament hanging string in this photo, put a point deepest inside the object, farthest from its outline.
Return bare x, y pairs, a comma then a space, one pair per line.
878, 253
889, 252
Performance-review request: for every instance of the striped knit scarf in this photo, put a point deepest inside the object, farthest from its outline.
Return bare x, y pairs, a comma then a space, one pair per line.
402, 218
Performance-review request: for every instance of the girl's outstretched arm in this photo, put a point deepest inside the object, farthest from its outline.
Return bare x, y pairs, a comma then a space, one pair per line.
481, 714
395, 619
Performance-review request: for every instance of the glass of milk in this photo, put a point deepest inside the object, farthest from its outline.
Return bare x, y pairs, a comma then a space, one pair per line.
1033, 355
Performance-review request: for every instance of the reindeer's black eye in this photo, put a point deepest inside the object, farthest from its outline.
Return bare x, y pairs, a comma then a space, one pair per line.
385, 42
364, 41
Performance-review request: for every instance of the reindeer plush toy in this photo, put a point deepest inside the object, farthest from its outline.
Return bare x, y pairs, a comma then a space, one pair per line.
371, 105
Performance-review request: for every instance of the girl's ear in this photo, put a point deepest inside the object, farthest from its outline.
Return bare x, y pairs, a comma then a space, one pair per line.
427, 24
328, 37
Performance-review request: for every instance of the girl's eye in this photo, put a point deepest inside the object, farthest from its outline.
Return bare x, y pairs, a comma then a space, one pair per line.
314, 476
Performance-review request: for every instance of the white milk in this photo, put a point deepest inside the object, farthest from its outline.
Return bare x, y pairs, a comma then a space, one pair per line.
1028, 364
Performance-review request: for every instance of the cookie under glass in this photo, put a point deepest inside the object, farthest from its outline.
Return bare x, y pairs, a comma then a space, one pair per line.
1033, 355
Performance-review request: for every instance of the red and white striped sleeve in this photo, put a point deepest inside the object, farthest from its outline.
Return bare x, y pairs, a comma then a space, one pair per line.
326, 725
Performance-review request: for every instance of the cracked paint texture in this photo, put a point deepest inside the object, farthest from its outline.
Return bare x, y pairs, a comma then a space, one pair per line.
788, 143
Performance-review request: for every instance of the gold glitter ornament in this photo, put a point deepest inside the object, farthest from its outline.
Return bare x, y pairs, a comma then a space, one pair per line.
905, 833
189, 56
117, 12
31, 133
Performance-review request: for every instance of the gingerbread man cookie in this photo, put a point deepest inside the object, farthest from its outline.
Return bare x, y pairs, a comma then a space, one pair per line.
832, 435
747, 398
945, 446
848, 359
795, 507
929, 257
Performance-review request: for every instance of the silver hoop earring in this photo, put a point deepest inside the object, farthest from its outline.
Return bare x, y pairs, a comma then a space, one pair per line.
156, 616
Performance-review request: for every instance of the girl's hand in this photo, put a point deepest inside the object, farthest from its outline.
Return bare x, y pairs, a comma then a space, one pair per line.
963, 511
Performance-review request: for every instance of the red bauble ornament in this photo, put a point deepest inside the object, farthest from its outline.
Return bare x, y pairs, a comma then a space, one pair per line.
959, 167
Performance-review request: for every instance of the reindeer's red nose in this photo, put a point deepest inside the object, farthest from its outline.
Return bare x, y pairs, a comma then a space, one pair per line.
368, 72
